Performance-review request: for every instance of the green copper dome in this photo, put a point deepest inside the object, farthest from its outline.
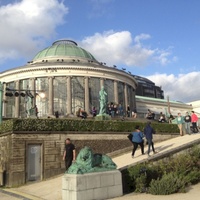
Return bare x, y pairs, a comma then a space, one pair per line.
64, 49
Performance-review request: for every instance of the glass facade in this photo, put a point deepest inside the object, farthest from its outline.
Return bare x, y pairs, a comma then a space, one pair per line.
10, 102
56, 98
60, 95
94, 88
121, 96
42, 103
109, 88
78, 93
130, 96
25, 102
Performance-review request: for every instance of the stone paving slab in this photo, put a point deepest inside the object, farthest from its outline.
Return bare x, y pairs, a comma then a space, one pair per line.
51, 189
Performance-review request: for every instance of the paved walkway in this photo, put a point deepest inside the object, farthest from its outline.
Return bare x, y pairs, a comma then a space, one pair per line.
51, 189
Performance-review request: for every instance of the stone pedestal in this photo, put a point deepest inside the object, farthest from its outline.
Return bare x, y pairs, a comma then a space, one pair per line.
103, 117
92, 186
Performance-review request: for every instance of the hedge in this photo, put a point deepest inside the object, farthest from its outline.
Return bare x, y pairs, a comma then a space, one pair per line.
166, 176
81, 125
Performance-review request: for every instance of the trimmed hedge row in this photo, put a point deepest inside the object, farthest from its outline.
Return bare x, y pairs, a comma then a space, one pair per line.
81, 125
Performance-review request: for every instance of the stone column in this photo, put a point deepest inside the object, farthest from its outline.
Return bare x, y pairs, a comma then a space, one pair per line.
101, 82
17, 111
4, 101
87, 103
116, 99
69, 95
51, 91
125, 96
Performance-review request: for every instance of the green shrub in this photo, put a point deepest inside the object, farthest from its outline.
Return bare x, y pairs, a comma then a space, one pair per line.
168, 184
167, 176
141, 176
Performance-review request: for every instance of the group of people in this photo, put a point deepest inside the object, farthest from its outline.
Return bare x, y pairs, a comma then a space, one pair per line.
138, 139
184, 123
118, 110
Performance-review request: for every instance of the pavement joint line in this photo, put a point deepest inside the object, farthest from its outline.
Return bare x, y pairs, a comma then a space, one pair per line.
19, 195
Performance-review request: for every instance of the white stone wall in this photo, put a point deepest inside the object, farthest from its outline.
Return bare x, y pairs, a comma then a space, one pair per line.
92, 186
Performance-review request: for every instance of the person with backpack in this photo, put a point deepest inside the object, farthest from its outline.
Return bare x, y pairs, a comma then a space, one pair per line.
137, 139
148, 132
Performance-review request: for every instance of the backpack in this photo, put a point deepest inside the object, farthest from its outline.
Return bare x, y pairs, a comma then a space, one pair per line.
130, 136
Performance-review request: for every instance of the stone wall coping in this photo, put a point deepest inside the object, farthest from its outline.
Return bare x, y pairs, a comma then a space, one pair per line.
74, 132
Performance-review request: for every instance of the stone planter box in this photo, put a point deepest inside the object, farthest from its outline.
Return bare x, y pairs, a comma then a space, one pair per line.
92, 186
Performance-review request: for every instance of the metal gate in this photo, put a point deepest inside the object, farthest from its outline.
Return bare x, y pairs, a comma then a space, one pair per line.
34, 164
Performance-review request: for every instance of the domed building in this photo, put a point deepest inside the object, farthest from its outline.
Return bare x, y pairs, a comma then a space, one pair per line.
70, 77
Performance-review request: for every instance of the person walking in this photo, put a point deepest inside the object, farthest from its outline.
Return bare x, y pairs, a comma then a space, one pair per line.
180, 121
148, 132
137, 139
187, 120
194, 120
69, 155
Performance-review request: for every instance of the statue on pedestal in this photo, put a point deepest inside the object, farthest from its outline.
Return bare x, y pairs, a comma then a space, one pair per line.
88, 162
102, 99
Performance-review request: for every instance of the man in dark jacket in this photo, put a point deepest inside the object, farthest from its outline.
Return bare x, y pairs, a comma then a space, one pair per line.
148, 132
69, 155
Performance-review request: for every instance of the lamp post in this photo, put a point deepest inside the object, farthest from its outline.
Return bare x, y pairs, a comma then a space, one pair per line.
1, 100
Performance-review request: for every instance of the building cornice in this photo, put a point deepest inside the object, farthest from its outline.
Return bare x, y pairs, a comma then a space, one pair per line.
60, 69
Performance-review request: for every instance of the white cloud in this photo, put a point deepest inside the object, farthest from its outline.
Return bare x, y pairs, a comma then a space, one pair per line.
183, 87
25, 25
141, 37
100, 8
121, 48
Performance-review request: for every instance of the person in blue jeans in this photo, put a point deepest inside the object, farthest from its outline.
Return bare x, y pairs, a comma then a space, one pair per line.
137, 139
148, 132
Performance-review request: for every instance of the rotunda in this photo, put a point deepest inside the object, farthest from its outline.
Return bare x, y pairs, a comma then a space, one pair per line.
70, 77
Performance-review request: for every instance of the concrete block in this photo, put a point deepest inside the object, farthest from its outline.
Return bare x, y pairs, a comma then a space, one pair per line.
115, 191
65, 183
81, 183
65, 194
117, 178
98, 186
93, 181
107, 179
85, 195
101, 193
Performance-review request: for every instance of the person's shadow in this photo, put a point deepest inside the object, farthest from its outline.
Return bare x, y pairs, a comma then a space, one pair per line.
162, 148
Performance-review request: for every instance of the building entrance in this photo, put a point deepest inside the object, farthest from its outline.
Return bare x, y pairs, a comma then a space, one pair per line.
34, 162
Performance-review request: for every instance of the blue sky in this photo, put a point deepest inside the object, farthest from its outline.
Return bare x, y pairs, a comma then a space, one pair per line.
158, 39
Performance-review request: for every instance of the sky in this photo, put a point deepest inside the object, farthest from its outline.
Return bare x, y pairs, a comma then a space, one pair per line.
157, 39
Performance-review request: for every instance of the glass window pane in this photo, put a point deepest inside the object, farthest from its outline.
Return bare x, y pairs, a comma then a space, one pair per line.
121, 97
42, 103
94, 88
25, 102
109, 88
10, 102
60, 95
78, 93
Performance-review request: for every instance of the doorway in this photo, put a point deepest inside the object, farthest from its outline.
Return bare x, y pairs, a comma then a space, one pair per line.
34, 162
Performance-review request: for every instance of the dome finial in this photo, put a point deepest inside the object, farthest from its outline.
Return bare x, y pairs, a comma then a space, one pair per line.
65, 42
